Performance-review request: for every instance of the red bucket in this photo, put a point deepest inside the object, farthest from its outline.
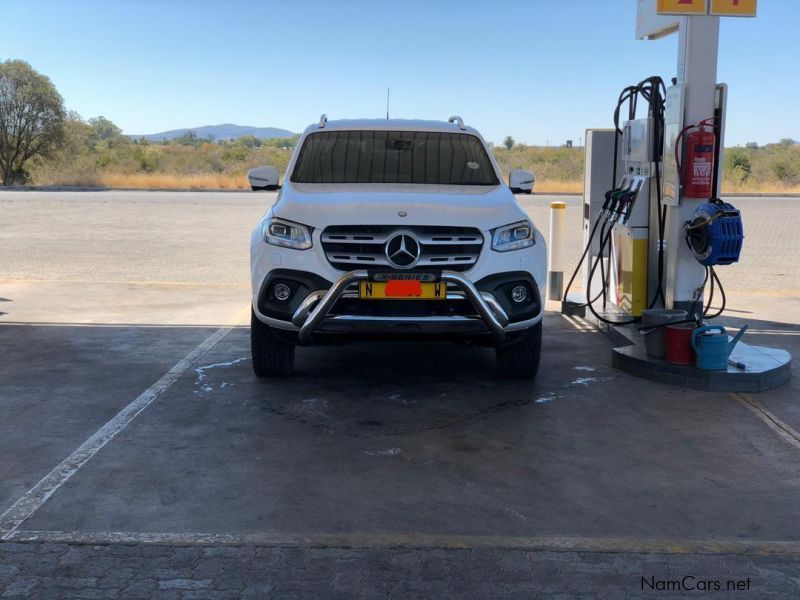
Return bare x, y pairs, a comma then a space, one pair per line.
679, 344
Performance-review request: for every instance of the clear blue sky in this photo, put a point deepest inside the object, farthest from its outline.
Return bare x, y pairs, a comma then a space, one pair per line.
538, 70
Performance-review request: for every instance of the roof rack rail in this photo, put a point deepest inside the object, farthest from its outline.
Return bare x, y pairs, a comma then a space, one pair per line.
458, 120
323, 120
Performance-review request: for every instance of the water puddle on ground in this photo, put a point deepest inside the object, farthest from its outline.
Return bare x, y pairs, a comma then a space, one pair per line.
202, 383
589, 380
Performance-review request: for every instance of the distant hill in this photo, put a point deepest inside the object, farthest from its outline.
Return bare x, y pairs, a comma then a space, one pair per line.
225, 131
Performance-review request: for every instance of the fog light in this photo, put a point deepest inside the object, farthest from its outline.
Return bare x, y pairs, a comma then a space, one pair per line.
281, 291
519, 294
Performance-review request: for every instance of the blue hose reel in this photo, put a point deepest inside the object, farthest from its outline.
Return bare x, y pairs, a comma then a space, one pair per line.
715, 234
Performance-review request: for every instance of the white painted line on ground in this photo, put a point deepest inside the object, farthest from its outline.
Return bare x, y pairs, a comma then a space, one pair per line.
778, 332
785, 431
643, 545
34, 498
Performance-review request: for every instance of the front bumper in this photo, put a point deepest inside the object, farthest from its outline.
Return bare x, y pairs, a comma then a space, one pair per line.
483, 308
315, 308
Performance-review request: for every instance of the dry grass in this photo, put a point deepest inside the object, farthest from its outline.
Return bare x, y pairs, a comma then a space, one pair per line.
221, 181
164, 180
148, 181
215, 181
759, 188
555, 187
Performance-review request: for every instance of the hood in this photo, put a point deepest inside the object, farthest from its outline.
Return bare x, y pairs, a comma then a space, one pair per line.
321, 205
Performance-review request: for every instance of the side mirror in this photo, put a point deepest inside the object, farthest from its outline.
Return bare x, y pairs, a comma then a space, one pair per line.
263, 178
521, 182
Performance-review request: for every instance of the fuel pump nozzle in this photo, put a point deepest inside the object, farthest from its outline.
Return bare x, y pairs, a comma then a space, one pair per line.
607, 203
614, 200
628, 200
618, 203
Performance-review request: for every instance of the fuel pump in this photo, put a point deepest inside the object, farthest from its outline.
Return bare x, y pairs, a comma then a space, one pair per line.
632, 221
631, 213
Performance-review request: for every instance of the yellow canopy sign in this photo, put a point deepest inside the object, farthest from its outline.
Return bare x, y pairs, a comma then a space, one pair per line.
682, 7
734, 8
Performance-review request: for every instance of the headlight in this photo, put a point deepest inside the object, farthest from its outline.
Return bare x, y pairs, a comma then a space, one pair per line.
287, 234
513, 237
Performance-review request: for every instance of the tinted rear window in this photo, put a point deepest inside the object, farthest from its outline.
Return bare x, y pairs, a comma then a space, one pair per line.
393, 157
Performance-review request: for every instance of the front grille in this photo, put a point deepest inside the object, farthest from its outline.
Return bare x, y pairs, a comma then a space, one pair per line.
359, 246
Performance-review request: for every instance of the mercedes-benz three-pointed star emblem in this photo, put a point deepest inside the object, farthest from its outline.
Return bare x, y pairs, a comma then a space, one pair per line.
403, 250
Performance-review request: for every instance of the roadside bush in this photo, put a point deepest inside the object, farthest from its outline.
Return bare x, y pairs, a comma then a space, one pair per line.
736, 160
104, 160
147, 157
235, 153
786, 172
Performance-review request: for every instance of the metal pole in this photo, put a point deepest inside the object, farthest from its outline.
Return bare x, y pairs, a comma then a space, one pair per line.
698, 43
558, 247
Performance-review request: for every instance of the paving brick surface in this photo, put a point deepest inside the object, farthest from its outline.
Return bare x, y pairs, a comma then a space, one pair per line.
45, 570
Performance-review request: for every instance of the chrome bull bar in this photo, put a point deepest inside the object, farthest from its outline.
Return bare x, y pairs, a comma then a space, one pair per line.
316, 306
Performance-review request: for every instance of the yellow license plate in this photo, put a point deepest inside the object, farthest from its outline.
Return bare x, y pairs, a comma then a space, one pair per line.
401, 289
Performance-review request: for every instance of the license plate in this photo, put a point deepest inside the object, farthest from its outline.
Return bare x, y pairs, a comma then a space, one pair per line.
401, 289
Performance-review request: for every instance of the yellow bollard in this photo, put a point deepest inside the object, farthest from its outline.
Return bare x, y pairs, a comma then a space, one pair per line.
558, 247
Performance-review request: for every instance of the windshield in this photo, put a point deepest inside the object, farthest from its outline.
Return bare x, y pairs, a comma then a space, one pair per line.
422, 157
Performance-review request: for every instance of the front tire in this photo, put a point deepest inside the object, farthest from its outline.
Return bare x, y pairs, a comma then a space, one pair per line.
271, 357
520, 360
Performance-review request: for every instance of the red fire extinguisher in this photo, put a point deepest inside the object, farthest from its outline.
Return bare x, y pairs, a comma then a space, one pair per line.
697, 171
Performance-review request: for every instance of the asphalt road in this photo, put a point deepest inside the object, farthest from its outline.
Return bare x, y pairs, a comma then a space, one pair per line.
141, 458
111, 236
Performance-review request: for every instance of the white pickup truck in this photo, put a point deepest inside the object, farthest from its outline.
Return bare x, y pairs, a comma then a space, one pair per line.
395, 229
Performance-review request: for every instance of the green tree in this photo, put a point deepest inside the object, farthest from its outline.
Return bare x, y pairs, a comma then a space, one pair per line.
187, 139
31, 119
283, 143
508, 142
249, 141
104, 129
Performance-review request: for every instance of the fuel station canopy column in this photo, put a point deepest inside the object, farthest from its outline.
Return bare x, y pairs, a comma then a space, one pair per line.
701, 98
